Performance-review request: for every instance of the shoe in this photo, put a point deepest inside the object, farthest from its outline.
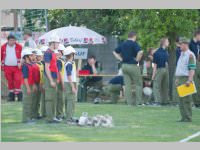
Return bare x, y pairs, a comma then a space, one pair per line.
59, 118
11, 97
183, 120
53, 121
19, 96
39, 117
30, 122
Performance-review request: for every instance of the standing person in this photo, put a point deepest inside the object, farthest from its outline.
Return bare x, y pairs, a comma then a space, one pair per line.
60, 85
51, 72
28, 86
127, 52
195, 48
29, 42
10, 59
38, 74
70, 83
185, 72
160, 75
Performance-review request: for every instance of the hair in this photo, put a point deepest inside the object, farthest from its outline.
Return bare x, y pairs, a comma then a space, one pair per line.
11, 36
132, 34
197, 32
92, 56
162, 41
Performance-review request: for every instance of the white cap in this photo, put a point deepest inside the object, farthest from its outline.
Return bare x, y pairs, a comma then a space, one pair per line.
61, 47
69, 50
26, 51
44, 48
39, 52
54, 38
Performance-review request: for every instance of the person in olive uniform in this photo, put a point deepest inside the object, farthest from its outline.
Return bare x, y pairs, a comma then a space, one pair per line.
29, 42
51, 76
128, 52
185, 71
195, 48
160, 75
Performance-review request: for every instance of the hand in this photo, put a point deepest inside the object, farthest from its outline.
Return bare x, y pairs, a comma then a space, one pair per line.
74, 90
188, 83
153, 78
35, 88
53, 84
19, 65
28, 91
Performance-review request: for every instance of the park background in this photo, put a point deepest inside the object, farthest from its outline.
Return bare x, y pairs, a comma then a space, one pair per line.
149, 124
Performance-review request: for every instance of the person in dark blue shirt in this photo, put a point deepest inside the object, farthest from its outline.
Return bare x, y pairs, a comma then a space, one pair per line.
95, 82
160, 75
195, 48
129, 53
115, 85
178, 50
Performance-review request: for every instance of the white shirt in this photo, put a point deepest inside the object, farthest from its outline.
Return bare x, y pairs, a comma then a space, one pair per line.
31, 43
73, 72
183, 62
11, 58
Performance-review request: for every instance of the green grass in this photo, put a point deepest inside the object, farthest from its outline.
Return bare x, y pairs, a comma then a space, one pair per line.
146, 124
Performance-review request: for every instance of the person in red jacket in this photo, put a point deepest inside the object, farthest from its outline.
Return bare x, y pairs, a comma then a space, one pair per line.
10, 58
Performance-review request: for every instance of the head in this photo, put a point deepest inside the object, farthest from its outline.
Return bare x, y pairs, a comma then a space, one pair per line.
197, 35
39, 58
70, 56
54, 42
91, 60
28, 58
27, 34
184, 43
132, 35
11, 40
164, 42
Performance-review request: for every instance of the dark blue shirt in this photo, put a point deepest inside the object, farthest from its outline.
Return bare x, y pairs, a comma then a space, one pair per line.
69, 69
47, 59
160, 58
195, 47
128, 51
178, 54
59, 65
117, 80
89, 68
25, 70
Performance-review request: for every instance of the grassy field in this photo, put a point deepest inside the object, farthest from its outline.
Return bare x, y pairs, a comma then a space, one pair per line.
144, 123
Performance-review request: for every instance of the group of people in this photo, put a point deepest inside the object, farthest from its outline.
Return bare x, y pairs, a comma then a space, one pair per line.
49, 75
187, 71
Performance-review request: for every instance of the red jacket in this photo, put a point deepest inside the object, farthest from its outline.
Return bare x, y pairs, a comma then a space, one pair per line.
18, 50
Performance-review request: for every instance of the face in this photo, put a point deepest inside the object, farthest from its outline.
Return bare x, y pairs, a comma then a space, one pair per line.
184, 46
11, 42
166, 43
198, 37
54, 45
26, 36
39, 58
91, 61
31, 57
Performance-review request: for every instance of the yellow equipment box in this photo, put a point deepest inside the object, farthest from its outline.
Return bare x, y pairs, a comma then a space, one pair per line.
184, 90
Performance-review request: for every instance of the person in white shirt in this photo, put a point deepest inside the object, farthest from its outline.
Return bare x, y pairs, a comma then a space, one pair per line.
185, 71
29, 42
70, 83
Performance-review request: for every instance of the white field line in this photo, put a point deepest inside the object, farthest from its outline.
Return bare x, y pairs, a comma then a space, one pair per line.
190, 137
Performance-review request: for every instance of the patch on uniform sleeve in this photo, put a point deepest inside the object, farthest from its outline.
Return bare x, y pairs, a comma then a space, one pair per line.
192, 66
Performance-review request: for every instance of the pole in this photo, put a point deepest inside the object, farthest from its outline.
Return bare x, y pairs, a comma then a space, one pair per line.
21, 20
46, 20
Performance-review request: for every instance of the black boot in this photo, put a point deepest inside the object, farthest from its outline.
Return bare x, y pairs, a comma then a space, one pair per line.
11, 97
19, 96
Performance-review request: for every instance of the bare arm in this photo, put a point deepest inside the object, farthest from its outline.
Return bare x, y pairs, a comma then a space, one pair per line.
139, 56
94, 69
117, 56
191, 75
154, 71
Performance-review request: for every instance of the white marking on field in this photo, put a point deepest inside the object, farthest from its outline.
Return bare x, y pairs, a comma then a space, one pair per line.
190, 137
